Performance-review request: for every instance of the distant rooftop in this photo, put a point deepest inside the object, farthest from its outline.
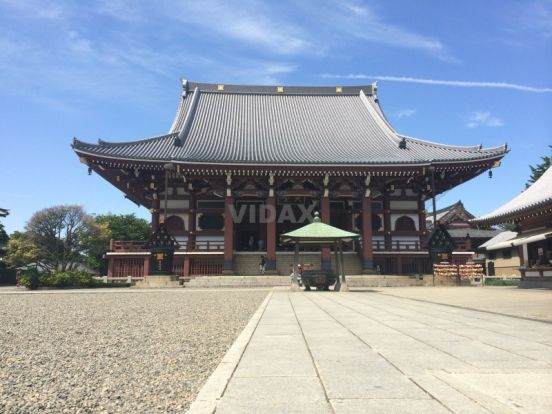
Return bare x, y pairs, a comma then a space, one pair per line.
537, 198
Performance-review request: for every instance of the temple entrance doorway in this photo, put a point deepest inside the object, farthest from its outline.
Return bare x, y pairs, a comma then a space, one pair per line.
250, 232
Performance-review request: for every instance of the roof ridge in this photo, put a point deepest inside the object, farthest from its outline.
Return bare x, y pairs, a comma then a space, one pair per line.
448, 207
101, 143
523, 202
349, 94
454, 147
189, 118
280, 89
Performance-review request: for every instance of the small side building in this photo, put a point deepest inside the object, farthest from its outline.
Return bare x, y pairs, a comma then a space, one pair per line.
501, 259
531, 212
467, 236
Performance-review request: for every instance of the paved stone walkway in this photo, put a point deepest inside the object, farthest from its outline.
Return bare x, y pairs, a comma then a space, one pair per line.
506, 300
327, 352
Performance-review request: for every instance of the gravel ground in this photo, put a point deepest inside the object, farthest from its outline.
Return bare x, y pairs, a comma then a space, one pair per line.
113, 352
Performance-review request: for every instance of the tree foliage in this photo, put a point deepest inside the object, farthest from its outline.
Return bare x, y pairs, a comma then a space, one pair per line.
125, 226
4, 238
21, 250
539, 169
120, 227
61, 237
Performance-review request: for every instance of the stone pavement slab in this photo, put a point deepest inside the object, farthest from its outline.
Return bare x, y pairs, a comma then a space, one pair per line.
317, 352
506, 300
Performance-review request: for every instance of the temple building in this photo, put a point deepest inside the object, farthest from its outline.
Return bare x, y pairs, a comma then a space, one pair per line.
531, 244
467, 236
242, 165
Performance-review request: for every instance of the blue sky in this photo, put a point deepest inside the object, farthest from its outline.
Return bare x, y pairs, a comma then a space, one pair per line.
463, 73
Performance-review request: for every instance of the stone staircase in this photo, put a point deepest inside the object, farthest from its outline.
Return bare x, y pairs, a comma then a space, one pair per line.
163, 281
354, 281
247, 264
237, 281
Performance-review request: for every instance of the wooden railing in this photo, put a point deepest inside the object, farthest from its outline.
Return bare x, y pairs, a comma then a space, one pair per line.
139, 246
127, 245
128, 267
397, 245
202, 245
205, 267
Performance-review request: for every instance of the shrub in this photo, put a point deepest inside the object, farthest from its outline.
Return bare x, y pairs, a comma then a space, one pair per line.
501, 282
70, 279
31, 279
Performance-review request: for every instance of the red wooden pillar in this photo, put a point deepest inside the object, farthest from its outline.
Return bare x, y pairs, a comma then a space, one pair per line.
186, 270
387, 221
191, 244
422, 221
367, 256
468, 243
325, 217
147, 265
110, 266
228, 234
271, 234
155, 215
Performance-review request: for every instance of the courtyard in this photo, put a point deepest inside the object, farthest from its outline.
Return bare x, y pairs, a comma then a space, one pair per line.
379, 350
117, 351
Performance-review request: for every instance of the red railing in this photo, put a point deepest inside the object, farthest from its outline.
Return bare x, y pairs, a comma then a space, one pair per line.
202, 245
127, 246
139, 246
128, 267
205, 267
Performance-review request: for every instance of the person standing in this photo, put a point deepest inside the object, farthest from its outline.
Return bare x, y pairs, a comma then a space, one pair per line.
262, 265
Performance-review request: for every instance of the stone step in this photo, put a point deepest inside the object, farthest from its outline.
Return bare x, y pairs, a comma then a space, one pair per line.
382, 281
237, 281
248, 264
155, 281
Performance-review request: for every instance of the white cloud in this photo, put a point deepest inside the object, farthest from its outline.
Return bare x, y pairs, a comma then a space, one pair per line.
537, 17
405, 113
485, 119
265, 73
364, 23
457, 83
37, 9
250, 22
124, 10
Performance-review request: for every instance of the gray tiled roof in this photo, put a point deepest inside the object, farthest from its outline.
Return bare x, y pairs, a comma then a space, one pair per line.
537, 197
501, 237
474, 233
302, 125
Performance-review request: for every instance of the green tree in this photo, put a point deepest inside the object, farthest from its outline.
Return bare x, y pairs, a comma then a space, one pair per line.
539, 169
64, 236
4, 238
119, 227
125, 226
21, 250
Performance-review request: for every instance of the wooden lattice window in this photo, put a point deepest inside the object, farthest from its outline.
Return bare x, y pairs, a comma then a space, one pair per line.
405, 223
175, 225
